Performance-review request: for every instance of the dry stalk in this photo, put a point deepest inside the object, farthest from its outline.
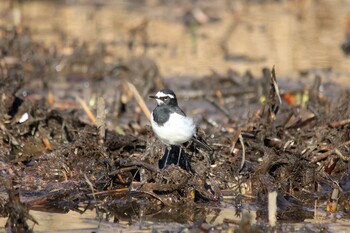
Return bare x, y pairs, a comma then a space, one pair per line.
139, 100
86, 110
101, 118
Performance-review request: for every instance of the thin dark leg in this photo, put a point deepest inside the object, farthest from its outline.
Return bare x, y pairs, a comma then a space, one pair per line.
163, 162
168, 148
178, 158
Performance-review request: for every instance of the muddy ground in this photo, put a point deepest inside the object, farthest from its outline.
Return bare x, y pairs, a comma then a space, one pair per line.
74, 137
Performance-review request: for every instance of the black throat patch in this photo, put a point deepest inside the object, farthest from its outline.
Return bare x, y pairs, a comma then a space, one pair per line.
161, 114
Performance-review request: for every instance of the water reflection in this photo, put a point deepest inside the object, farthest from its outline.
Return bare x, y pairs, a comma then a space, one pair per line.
132, 219
53, 222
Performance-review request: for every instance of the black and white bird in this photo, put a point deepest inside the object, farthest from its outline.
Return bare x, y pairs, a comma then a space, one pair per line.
170, 123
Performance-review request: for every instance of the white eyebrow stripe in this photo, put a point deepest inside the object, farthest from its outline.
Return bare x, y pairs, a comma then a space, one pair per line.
161, 94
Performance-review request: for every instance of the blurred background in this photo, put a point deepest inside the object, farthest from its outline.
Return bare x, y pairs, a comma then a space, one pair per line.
193, 38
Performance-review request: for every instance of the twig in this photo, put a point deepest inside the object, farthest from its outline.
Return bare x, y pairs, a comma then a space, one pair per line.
121, 179
274, 91
322, 156
121, 190
272, 208
343, 157
126, 163
101, 117
332, 204
163, 187
13, 140
226, 92
50, 99
87, 110
275, 85
340, 123
158, 197
90, 185
116, 103
43, 134
47, 143
234, 140
219, 107
315, 210
121, 170
92, 191
243, 151
139, 100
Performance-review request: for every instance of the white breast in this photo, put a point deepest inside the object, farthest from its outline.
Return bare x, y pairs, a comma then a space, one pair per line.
177, 130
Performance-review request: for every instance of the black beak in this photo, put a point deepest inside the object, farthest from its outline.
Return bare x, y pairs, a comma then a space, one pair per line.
153, 97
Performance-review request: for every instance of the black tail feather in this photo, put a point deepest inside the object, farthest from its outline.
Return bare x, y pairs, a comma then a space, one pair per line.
202, 143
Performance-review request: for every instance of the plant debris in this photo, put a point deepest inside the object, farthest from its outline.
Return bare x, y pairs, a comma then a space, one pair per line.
295, 142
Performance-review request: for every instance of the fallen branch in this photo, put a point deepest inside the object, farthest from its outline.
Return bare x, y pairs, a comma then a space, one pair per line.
322, 156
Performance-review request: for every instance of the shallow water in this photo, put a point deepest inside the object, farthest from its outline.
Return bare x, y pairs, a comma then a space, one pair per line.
89, 222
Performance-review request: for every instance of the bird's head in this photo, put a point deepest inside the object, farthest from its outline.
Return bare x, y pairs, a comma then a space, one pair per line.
165, 97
